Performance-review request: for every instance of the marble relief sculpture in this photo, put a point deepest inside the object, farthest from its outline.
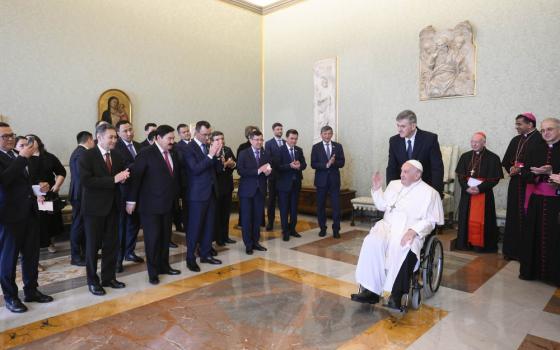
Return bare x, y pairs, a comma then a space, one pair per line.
324, 100
447, 62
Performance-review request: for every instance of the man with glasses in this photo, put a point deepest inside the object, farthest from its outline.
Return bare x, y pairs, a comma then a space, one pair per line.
19, 230
201, 165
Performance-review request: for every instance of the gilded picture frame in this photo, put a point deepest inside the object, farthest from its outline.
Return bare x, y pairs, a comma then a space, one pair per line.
114, 105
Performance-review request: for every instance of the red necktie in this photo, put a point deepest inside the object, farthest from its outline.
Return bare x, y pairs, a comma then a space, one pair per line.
166, 156
108, 163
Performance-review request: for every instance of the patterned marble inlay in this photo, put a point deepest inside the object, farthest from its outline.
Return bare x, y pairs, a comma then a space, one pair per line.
301, 227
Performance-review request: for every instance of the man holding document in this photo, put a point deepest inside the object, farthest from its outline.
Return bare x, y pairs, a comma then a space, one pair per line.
478, 171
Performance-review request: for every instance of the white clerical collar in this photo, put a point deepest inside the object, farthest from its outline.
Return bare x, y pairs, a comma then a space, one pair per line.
412, 184
103, 151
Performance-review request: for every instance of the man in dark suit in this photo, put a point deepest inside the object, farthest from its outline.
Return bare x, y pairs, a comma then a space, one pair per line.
180, 212
248, 130
77, 232
129, 224
413, 143
253, 166
201, 166
101, 172
290, 163
225, 190
327, 157
156, 181
19, 226
271, 147
148, 129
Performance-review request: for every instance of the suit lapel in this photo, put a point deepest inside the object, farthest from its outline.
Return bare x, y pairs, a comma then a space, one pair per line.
101, 160
417, 144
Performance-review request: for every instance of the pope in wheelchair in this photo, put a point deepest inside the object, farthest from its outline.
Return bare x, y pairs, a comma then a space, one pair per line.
391, 252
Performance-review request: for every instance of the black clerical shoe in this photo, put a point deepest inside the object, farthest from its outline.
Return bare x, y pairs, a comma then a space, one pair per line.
336, 234
220, 243
172, 245
394, 302
96, 289
210, 260
249, 251
38, 297
365, 296
193, 266
16, 306
285, 237
230, 241
259, 247
119, 268
154, 280
113, 284
322, 233
294, 234
78, 262
213, 252
133, 257
171, 271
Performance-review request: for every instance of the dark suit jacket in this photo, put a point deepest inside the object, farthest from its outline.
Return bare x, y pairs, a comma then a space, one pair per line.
75, 192
125, 153
247, 168
152, 186
241, 147
17, 201
144, 144
271, 147
225, 177
201, 173
286, 174
425, 150
319, 163
180, 149
100, 193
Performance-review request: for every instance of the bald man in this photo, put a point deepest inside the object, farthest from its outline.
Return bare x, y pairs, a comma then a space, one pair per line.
478, 171
391, 251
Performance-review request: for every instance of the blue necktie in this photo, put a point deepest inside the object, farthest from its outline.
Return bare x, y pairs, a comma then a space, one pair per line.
258, 158
203, 148
11, 154
409, 149
292, 154
132, 150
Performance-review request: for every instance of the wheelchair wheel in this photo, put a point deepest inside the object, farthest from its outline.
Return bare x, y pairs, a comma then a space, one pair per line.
432, 267
416, 299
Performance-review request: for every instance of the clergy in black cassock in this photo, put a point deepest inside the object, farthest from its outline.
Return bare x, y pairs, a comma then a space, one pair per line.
478, 171
540, 248
516, 164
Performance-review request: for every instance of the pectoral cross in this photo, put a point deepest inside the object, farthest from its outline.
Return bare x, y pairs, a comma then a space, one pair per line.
391, 207
472, 172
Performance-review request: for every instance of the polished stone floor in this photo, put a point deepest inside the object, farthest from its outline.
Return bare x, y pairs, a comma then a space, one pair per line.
295, 296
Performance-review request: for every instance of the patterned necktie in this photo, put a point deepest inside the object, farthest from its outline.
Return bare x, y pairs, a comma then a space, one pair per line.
108, 163
279, 143
132, 150
11, 154
169, 167
329, 150
258, 157
409, 149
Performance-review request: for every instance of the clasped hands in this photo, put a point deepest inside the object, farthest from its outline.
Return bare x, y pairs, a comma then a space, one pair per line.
295, 164
473, 190
265, 169
331, 161
542, 170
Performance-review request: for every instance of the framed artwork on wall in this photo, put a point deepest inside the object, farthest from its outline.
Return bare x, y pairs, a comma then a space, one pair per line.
113, 106
325, 103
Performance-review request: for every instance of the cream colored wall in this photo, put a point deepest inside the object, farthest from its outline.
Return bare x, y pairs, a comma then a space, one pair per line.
178, 60
377, 46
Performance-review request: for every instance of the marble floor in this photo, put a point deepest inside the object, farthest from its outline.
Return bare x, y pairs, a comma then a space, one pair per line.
294, 296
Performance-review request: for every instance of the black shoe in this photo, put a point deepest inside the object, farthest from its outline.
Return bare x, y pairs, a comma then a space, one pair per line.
365, 296
230, 241
220, 243
154, 280
213, 252
96, 289
79, 262
336, 234
269, 227
193, 266
394, 302
38, 297
294, 234
259, 247
120, 268
249, 251
113, 284
210, 260
171, 271
172, 245
133, 257
16, 306
322, 233
285, 237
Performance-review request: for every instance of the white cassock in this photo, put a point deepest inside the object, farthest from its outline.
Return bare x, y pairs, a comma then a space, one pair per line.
417, 207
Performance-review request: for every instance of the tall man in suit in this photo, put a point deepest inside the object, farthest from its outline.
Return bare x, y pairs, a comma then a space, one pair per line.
156, 182
201, 165
327, 157
413, 143
248, 131
19, 226
129, 224
290, 163
225, 190
271, 147
180, 211
101, 172
148, 129
253, 166
77, 231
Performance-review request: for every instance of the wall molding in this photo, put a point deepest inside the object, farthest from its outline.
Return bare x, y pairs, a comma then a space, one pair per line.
262, 10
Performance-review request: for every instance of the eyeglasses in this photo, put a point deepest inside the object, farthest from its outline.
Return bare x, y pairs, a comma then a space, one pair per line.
7, 137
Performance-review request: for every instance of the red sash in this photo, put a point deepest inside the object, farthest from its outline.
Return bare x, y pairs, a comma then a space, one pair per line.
476, 220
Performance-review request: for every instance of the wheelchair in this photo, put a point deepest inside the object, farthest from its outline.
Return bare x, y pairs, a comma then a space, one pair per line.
426, 279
